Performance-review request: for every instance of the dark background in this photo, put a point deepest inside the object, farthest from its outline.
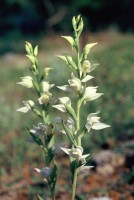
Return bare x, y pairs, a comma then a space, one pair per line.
36, 16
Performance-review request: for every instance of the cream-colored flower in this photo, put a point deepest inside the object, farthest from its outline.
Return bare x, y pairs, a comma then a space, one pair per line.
86, 67
90, 94
64, 101
93, 122
26, 81
75, 83
45, 98
75, 153
27, 106
46, 86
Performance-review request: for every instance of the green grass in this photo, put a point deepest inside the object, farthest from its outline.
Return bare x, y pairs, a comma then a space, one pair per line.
114, 77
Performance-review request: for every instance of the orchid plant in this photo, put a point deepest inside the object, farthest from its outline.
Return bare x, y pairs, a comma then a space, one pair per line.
43, 132
77, 87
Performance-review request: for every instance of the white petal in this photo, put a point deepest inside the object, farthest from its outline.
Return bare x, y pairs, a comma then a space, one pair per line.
60, 107
85, 156
87, 78
88, 127
84, 168
93, 96
23, 109
66, 150
28, 103
92, 119
65, 100
98, 126
92, 115
64, 88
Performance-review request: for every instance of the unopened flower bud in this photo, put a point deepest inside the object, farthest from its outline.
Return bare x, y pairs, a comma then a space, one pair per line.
47, 71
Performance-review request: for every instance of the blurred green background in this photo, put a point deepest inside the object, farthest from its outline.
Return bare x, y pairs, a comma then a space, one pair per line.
110, 23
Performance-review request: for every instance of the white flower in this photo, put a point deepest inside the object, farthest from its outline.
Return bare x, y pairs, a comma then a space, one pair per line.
90, 94
40, 130
75, 83
45, 98
46, 86
26, 81
93, 121
76, 153
86, 67
45, 172
64, 101
28, 105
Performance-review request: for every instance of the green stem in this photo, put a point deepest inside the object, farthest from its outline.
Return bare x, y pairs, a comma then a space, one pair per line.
78, 116
74, 185
79, 103
53, 195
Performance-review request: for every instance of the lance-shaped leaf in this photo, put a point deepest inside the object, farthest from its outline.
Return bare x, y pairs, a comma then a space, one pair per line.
62, 58
69, 134
37, 140
53, 178
31, 58
71, 111
37, 112
36, 51
50, 145
74, 23
70, 40
29, 48
87, 48
71, 62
